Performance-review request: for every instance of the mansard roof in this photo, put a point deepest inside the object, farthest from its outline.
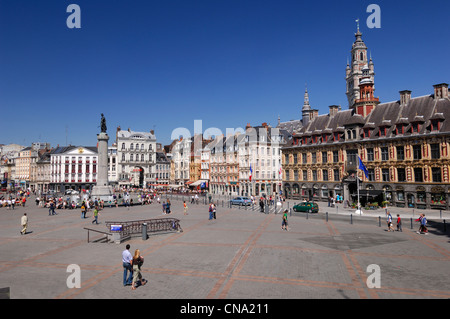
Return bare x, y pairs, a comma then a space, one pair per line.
421, 110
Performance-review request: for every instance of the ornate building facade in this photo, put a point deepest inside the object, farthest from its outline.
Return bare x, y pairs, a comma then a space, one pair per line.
404, 145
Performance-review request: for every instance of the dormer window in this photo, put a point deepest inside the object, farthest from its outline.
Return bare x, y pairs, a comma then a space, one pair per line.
400, 129
415, 127
435, 125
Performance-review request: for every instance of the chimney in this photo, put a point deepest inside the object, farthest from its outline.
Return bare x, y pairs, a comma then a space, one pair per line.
152, 132
248, 126
313, 114
441, 91
333, 110
405, 96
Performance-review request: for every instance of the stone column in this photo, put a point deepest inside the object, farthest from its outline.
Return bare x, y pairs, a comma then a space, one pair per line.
102, 190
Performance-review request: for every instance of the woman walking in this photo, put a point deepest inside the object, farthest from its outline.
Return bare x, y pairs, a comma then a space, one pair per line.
137, 262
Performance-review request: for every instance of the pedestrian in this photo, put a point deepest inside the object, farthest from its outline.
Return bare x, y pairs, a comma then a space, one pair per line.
389, 221
261, 205
24, 223
95, 220
423, 222
210, 211
185, 208
164, 207
399, 223
168, 207
137, 263
83, 210
284, 222
126, 262
214, 210
420, 223
51, 210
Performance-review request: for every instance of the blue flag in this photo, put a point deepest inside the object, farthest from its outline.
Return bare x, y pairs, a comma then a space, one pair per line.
363, 168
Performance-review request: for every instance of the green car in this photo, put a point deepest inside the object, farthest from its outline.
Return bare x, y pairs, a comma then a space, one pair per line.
307, 207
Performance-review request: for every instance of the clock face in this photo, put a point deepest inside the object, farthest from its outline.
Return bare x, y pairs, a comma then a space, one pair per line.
80, 150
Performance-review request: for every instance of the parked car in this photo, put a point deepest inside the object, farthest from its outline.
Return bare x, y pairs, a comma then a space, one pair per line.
307, 207
241, 201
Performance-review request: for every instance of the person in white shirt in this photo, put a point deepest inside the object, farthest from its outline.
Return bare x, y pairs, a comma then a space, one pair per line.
127, 267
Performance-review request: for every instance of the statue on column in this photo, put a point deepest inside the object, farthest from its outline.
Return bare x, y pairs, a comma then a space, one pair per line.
103, 124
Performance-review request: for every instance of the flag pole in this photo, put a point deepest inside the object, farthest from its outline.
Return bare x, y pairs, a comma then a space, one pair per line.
357, 183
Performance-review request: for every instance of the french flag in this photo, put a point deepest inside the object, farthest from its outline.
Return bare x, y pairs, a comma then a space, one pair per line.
251, 173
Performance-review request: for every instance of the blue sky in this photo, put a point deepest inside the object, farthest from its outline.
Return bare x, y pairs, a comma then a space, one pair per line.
163, 64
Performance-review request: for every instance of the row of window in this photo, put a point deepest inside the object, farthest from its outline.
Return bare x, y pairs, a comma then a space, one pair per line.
436, 175
417, 154
137, 148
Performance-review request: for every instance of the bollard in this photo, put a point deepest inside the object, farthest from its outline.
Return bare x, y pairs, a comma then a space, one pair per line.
144, 231
440, 213
351, 219
379, 221
326, 216
307, 215
411, 223
290, 212
445, 226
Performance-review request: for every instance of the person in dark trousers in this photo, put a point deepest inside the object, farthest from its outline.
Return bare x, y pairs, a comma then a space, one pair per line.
95, 220
423, 223
127, 267
399, 223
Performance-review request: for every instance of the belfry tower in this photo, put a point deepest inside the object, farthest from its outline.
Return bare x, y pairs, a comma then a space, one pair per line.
354, 70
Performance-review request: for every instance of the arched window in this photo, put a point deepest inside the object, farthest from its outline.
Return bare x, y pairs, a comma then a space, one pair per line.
131, 146
361, 56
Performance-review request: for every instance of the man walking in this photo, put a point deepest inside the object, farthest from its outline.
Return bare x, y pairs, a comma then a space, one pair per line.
24, 223
95, 220
126, 261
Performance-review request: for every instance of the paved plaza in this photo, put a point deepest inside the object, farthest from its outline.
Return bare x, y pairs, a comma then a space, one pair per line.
242, 254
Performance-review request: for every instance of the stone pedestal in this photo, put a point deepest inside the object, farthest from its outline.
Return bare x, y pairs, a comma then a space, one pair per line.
102, 191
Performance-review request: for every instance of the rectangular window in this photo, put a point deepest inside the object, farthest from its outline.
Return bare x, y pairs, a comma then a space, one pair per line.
335, 156
313, 158
325, 175
401, 174
384, 153
371, 174
385, 174
436, 173
324, 157
314, 174
400, 153
435, 151
305, 175
370, 155
418, 175
336, 175
417, 152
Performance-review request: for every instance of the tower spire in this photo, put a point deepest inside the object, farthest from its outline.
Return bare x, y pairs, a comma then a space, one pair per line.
306, 105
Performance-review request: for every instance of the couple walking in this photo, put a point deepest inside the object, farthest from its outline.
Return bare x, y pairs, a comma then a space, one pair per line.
132, 265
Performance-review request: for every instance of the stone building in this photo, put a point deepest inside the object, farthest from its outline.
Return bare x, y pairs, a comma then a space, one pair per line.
136, 158
404, 145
